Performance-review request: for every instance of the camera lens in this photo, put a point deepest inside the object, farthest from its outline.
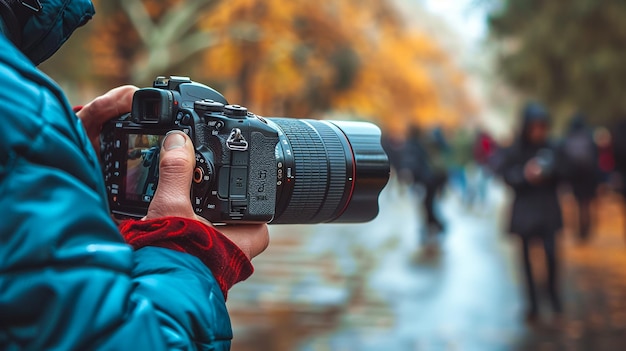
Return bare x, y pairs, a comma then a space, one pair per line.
328, 171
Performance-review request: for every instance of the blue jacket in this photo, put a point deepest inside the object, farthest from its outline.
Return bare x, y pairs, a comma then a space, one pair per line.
67, 279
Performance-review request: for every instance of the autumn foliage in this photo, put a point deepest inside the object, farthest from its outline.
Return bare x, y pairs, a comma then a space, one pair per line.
570, 56
299, 58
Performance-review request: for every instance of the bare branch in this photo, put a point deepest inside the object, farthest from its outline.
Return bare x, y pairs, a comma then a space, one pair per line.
182, 18
195, 43
160, 59
140, 19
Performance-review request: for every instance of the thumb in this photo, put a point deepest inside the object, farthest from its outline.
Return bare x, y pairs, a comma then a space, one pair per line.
177, 161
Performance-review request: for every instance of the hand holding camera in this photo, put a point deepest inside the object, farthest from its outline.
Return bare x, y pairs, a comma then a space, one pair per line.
176, 162
248, 169
112, 104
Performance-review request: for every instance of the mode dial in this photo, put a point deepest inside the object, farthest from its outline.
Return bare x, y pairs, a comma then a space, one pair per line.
208, 106
235, 111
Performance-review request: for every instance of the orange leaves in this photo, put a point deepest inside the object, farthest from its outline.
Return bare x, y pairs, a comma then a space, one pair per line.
306, 58
397, 85
299, 58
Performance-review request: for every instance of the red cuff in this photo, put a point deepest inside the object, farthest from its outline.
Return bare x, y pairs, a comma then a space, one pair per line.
77, 108
227, 262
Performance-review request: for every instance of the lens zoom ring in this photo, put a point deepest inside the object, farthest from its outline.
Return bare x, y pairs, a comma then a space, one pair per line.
311, 171
336, 156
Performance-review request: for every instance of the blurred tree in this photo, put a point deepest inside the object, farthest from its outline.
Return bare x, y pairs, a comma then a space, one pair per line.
355, 57
141, 39
568, 54
293, 58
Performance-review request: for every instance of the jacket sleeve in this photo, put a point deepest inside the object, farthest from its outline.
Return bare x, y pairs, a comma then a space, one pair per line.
68, 281
514, 176
227, 262
511, 170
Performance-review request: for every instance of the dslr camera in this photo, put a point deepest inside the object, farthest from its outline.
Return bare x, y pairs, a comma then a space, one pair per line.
248, 168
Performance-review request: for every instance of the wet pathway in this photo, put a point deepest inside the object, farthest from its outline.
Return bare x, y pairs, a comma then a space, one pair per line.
367, 287
594, 287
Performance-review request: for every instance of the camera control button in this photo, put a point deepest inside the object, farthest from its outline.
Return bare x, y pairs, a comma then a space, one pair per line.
186, 119
198, 175
235, 111
208, 106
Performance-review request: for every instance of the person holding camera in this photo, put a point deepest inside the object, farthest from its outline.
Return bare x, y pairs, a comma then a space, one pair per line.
70, 279
531, 167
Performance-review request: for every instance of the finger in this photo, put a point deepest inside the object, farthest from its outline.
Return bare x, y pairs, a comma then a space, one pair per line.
252, 239
113, 104
177, 161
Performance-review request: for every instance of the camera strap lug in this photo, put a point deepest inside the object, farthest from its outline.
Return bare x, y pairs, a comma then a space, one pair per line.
236, 141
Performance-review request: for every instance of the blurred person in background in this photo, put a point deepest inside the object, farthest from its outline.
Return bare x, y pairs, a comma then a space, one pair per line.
619, 152
618, 138
460, 166
419, 167
413, 166
606, 161
484, 149
531, 167
580, 159
394, 146
69, 278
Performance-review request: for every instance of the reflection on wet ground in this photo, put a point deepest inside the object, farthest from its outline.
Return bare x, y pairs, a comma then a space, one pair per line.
369, 287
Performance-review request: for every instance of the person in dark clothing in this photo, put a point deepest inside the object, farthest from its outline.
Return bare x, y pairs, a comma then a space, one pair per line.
413, 166
418, 163
394, 146
483, 149
530, 167
606, 161
618, 138
581, 163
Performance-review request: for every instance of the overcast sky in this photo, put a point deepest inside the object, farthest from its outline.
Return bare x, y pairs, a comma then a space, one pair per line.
463, 16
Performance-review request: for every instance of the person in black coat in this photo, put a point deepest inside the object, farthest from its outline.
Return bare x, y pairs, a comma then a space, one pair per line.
414, 167
581, 162
420, 164
531, 168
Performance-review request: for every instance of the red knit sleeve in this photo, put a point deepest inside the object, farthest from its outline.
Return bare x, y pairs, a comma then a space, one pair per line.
226, 261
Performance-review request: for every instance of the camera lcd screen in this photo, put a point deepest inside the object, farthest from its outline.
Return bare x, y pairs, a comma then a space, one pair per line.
142, 166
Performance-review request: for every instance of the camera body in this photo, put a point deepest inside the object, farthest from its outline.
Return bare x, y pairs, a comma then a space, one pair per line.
236, 173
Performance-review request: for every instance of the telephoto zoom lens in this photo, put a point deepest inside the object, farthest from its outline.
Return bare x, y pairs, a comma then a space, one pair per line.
328, 171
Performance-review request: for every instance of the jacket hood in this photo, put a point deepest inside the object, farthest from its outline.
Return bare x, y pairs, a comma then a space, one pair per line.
578, 122
532, 112
39, 27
